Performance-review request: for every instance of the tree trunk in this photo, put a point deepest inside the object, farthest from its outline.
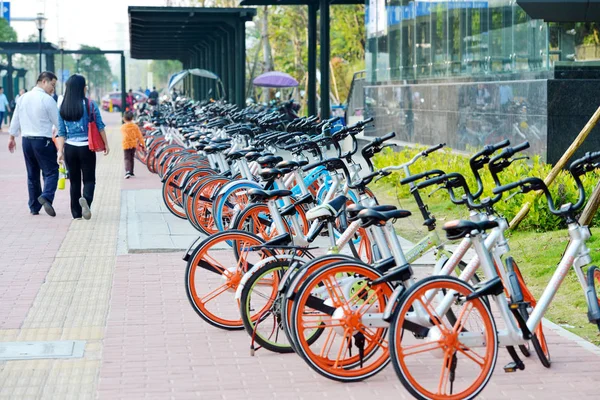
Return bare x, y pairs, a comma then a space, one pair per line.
264, 26
559, 165
591, 207
335, 89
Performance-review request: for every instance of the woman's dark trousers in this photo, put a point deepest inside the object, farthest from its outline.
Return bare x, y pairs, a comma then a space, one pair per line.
81, 163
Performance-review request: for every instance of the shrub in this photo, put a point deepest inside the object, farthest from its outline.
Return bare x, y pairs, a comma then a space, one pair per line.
539, 218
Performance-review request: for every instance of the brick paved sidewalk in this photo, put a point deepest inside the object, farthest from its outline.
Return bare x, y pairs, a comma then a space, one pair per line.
62, 280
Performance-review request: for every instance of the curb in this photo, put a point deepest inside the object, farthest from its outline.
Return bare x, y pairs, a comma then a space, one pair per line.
572, 337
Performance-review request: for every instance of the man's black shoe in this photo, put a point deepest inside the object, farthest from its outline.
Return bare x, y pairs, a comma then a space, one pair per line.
47, 206
35, 213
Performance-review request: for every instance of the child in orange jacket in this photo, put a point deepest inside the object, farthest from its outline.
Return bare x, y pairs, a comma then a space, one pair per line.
131, 137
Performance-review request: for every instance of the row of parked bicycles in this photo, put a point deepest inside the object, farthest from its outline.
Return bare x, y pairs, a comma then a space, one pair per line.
296, 250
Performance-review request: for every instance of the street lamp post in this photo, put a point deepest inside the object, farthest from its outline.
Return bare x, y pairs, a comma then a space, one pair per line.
77, 57
61, 43
96, 69
40, 23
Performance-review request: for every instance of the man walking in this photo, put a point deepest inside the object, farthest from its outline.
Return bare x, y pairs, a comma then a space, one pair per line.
34, 116
4, 107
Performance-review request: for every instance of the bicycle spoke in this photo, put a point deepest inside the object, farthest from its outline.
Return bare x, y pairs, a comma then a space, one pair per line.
343, 346
443, 376
326, 348
461, 319
471, 355
407, 351
215, 293
336, 297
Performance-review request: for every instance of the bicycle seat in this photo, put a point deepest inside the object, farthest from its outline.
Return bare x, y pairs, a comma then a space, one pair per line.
257, 195
211, 149
222, 140
371, 217
272, 173
302, 163
328, 210
235, 155
253, 156
292, 165
269, 161
354, 209
460, 228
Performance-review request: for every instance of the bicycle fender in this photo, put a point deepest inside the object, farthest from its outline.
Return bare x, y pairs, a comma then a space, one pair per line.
388, 313
230, 185
256, 267
192, 248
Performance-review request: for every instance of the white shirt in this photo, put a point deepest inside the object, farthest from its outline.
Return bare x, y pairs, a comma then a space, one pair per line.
35, 114
3, 102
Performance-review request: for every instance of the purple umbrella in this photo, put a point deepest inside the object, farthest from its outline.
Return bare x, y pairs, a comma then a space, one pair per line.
275, 79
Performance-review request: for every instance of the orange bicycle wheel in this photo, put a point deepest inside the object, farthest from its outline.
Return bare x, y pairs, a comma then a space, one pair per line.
296, 282
214, 272
336, 299
435, 358
202, 204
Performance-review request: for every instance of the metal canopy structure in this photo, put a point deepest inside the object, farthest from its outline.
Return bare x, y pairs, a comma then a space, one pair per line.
49, 51
562, 10
325, 56
207, 38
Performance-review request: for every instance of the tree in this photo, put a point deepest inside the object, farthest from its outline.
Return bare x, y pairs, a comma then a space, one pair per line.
286, 33
7, 33
96, 69
163, 69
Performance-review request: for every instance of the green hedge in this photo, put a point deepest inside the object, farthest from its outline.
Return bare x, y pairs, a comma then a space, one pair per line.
539, 218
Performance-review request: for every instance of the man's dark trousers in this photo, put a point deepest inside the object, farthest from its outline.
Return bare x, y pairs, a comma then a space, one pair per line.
40, 154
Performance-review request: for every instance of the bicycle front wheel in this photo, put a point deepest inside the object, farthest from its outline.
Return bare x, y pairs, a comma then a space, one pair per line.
423, 341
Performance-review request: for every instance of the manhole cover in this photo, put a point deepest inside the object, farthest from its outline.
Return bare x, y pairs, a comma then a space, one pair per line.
34, 350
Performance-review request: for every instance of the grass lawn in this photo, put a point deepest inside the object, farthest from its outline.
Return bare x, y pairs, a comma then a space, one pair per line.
536, 254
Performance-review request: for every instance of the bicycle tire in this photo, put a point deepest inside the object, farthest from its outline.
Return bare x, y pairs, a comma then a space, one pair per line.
520, 290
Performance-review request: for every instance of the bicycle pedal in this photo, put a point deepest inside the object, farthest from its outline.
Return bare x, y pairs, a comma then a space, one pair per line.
511, 367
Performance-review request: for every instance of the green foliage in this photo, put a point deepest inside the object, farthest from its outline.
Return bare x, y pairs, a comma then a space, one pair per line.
95, 67
539, 218
7, 33
287, 27
163, 69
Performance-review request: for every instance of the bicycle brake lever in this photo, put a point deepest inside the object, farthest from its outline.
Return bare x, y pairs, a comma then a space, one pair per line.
519, 158
513, 195
435, 190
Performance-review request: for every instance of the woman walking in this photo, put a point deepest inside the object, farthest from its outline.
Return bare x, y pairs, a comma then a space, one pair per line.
72, 144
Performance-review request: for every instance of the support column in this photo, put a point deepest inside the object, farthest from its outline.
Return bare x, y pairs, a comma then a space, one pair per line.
224, 67
10, 91
325, 52
311, 86
240, 65
123, 84
231, 65
50, 62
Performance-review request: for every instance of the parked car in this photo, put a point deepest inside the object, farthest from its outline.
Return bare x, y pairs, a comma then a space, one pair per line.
115, 97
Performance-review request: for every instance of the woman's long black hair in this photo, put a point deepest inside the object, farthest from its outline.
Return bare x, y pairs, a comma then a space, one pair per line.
71, 108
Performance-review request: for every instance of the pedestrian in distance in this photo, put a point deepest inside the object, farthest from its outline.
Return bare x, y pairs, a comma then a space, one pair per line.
130, 100
34, 116
72, 143
153, 97
4, 107
131, 137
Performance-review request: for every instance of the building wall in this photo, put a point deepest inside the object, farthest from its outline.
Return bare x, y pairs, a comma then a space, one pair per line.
467, 73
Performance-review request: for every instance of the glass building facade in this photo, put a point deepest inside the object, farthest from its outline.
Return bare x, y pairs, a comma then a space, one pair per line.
467, 73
